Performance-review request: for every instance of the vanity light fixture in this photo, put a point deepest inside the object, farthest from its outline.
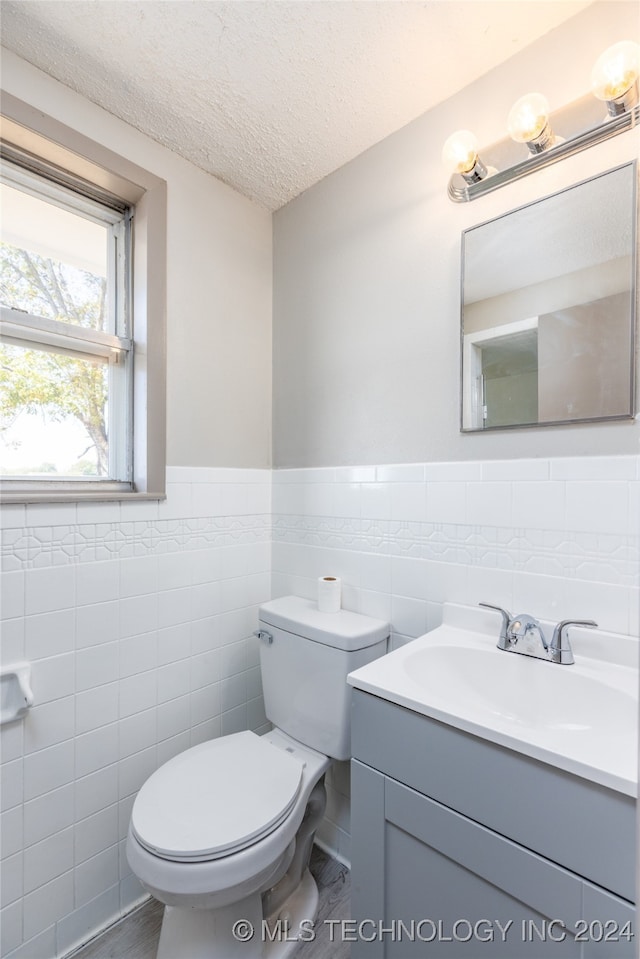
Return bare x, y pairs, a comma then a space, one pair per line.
549, 137
529, 123
614, 77
460, 155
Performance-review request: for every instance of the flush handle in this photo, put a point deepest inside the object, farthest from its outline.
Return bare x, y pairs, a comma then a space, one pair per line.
264, 636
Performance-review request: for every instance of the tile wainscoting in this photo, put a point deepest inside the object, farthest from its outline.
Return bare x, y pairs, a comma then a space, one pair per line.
557, 538
137, 620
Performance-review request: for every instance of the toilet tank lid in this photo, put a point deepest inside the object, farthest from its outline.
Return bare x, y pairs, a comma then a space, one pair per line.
344, 629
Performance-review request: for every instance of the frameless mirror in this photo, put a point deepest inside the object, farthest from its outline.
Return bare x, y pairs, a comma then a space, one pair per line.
548, 309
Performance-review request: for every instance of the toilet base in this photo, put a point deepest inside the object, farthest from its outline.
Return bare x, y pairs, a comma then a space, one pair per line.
239, 931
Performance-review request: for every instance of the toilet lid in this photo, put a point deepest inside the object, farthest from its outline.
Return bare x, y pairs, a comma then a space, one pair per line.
216, 798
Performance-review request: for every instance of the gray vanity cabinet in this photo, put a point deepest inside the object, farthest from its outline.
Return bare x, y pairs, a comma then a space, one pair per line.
461, 848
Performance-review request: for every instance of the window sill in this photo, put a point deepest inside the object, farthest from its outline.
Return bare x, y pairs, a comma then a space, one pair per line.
73, 496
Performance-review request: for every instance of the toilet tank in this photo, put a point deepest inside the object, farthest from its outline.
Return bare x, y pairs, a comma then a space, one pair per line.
305, 656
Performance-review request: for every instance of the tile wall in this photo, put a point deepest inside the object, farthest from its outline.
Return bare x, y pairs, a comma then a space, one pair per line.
552, 537
137, 620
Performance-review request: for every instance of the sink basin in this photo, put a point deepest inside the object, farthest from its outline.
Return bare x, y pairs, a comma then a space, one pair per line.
519, 690
582, 718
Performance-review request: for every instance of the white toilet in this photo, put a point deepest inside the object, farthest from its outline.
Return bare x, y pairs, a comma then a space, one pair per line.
222, 833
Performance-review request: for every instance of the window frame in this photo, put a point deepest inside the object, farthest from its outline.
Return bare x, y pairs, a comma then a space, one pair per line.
32, 331
68, 157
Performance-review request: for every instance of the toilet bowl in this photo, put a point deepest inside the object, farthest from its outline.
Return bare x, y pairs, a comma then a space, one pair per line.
222, 833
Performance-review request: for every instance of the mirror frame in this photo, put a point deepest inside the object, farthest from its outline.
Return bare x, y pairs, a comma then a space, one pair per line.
630, 415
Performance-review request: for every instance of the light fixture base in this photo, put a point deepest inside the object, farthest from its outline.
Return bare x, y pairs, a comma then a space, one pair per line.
575, 127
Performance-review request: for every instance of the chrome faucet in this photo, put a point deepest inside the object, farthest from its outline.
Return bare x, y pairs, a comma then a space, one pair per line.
524, 634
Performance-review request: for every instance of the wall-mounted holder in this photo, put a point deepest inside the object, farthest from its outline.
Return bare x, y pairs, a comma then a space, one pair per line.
16, 695
575, 127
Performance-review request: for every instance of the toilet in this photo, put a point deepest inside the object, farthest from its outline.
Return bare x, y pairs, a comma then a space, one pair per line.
222, 833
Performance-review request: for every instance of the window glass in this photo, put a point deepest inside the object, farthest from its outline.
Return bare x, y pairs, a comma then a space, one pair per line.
66, 359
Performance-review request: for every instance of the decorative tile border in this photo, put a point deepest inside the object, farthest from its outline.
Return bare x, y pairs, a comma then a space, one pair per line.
34, 547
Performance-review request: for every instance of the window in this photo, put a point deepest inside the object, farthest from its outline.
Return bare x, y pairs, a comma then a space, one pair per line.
83, 317
66, 352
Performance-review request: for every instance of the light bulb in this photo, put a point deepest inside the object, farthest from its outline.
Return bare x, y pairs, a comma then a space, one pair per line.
460, 152
616, 71
529, 122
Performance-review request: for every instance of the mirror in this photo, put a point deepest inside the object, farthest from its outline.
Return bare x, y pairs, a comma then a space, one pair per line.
548, 309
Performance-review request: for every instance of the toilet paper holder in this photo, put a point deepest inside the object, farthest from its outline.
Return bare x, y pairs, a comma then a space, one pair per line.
16, 695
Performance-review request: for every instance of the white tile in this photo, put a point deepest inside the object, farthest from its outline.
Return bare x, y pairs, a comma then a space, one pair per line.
50, 634
515, 470
11, 741
96, 750
46, 905
174, 607
177, 505
138, 576
12, 647
233, 692
96, 707
174, 680
83, 923
137, 693
48, 724
489, 504
598, 507
97, 582
539, 505
48, 769
375, 500
96, 791
96, 666
51, 514
446, 502
11, 832
132, 511
176, 569
138, 614
107, 512
173, 746
205, 704
53, 678
12, 594
174, 643
138, 654
206, 499
404, 473
409, 616
48, 814
10, 927
136, 769
137, 732
408, 502
48, 859
96, 875
13, 516
594, 468
50, 589
96, 833
173, 717
346, 500
97, 624
409, 577
11, 878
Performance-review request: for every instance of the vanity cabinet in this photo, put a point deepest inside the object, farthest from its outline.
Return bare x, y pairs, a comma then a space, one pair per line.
462, 848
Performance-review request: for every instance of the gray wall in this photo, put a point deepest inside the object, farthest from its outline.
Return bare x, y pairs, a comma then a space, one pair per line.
366, 278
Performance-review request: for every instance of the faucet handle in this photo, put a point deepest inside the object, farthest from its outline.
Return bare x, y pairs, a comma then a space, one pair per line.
503, 641
560, 648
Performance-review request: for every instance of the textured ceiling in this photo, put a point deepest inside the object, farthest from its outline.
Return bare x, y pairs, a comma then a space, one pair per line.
270, 95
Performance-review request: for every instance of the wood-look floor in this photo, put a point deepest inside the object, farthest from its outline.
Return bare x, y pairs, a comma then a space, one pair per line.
136, 936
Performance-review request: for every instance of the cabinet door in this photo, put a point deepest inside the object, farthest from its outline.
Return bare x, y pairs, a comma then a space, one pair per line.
428, 882
609, 926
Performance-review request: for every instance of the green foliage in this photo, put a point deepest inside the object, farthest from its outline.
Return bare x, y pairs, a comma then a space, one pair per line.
33, 380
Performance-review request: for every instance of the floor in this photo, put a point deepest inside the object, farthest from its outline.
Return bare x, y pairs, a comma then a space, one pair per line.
136, 937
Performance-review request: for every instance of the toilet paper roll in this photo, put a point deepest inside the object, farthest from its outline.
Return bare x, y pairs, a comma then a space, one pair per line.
329, 592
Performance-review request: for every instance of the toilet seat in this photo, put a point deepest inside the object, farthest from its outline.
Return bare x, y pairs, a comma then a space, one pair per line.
216, 798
